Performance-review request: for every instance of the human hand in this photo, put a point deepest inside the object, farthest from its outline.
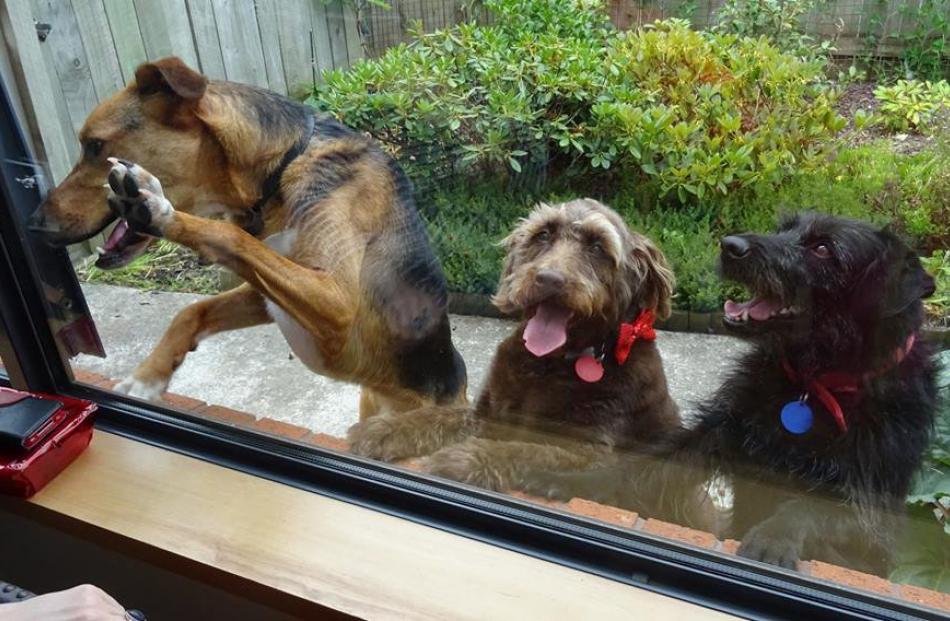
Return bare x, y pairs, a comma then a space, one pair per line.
81, 603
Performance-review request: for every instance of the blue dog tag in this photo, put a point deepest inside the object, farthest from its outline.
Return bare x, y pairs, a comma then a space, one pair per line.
797, 417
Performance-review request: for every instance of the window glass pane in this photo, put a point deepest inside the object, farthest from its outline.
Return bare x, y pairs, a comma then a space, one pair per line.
687, 277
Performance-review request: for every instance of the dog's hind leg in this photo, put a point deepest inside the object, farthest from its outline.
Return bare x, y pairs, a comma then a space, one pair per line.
242, 307
310, 296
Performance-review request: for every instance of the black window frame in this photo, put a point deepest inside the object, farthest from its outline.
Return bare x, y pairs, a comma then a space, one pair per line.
34, 362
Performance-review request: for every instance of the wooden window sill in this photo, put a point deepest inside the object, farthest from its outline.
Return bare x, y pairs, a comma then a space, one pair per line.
334, 554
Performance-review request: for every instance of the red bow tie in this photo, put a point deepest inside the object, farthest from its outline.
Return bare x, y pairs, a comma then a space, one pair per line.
641, 328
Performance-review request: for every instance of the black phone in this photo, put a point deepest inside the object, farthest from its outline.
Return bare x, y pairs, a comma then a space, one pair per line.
25, 422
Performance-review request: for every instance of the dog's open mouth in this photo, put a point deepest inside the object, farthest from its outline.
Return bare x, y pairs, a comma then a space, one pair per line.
757, 310
547, 329
122, 246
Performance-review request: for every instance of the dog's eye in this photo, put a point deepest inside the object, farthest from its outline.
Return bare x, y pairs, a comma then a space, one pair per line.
822, 251
542, 236
596, 247
93, 148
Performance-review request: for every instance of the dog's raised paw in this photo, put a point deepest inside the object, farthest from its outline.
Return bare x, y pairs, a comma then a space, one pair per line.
136, 196
147, 390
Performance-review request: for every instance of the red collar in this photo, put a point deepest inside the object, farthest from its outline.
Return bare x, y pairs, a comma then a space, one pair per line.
641, 328
826, 385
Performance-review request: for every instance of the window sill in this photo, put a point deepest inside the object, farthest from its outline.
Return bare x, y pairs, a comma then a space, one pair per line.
325, 551
578, 506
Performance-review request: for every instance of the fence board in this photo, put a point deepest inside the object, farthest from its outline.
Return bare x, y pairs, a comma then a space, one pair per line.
240, 41
100, 52
207, 45
337, 34
295, 51
354, 44
126, 37
64, 48
320, 37
166, 30
266, 11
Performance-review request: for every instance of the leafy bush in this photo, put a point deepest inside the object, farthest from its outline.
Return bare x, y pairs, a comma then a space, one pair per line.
938, 305
924, 553
912, 105
779, 20
550, 90
926, 46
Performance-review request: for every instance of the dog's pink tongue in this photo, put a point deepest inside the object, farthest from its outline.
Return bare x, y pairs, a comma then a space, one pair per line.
762, 309
117, 233
757, 309
547, 330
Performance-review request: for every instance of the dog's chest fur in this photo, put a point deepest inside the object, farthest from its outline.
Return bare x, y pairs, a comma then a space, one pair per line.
888, 428
532, 395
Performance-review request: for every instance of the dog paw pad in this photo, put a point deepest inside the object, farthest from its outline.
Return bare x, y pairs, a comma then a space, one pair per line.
136, 195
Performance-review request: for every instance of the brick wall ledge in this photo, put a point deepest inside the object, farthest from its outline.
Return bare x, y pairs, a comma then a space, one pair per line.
577, 506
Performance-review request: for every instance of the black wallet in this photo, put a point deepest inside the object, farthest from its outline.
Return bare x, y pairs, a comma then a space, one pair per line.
23, 423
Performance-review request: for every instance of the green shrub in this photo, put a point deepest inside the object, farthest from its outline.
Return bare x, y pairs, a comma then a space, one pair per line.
910, 105
779, 20
551, 91
938, 305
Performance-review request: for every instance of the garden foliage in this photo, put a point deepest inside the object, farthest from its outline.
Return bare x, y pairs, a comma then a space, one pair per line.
550, 89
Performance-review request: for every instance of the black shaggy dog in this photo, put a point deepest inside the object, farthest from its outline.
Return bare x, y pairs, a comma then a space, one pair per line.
821, 427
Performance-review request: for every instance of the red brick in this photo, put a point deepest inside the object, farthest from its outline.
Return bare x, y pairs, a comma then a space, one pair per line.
413, 463
925, 597
107, 384
280, 428
330, 442
604, 513
730, 546
535, 499
87, 377
227, 415
680, 533
182, 402
94, 379
849, 577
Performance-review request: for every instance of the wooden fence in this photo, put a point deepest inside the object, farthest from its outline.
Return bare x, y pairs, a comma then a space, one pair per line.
65, 56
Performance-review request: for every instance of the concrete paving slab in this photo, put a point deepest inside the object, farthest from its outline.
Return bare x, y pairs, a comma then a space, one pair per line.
253, 370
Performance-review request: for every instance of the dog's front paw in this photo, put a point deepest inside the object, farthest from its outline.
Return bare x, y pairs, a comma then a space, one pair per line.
136, 196
468, 463
767, 543
382, 437
141, 388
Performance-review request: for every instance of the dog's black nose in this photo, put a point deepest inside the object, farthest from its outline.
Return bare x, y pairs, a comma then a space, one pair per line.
736, 247
549, 281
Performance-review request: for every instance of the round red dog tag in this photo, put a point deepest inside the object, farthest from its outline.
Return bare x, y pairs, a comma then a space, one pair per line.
589, 369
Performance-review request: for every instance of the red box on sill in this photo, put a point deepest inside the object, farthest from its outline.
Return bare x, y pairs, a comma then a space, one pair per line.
25, 471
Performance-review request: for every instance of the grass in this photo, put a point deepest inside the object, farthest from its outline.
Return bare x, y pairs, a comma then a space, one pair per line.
163, 267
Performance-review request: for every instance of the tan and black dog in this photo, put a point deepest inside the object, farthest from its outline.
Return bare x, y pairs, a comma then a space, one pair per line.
344, 269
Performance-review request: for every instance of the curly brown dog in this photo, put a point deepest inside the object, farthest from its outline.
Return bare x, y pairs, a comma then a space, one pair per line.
579, 378
319, 222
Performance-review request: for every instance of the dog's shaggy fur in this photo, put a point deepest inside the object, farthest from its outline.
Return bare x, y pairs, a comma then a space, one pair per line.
319, 222
830, 296
535, 413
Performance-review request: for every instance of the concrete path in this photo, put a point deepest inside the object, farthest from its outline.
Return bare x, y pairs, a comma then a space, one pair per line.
253, 370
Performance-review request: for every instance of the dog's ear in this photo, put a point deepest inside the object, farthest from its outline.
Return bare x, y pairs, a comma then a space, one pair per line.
502, 298
649, 276
171, 76
905, 281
